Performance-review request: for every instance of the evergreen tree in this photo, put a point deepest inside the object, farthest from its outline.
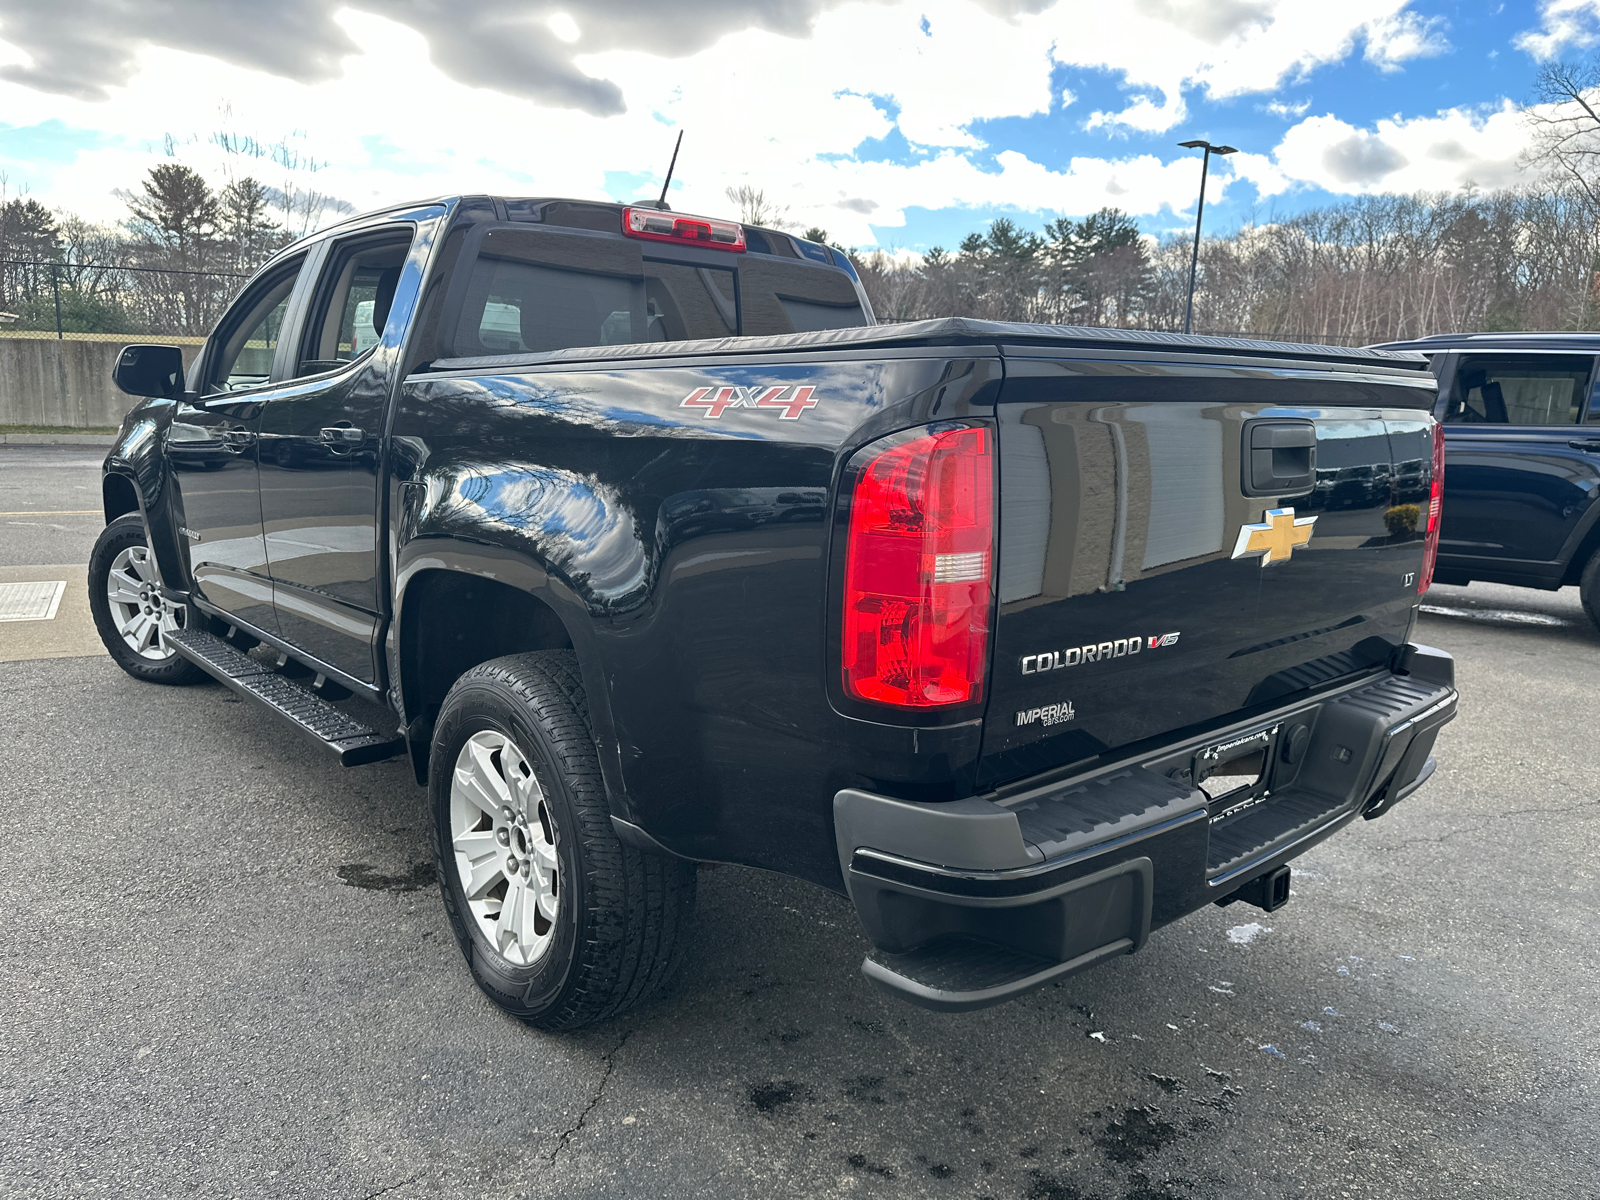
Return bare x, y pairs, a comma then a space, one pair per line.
175, 222
248, 236
28, 235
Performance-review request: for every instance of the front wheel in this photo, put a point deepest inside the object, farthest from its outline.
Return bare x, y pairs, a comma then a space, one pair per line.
561, 924
130, 614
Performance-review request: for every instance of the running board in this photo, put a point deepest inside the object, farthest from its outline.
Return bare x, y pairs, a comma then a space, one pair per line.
347, 739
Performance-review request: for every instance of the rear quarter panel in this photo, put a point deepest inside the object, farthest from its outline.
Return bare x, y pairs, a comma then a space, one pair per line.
688, 557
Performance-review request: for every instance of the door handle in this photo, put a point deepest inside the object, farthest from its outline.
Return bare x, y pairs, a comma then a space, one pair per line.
1590, 444
342, 436
237, 441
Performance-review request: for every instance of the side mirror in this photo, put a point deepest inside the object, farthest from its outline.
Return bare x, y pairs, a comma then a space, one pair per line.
149, 371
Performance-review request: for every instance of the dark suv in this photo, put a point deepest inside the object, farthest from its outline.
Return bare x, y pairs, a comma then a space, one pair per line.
1522, 459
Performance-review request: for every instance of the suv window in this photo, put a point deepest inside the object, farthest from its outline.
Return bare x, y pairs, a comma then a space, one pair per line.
1532, 390
353, 301
247, 339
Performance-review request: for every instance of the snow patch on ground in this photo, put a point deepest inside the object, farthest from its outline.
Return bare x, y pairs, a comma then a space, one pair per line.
1243, 935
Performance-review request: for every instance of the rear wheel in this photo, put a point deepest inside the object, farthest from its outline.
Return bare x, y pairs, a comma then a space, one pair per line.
561, 924
130, 614
1589, 588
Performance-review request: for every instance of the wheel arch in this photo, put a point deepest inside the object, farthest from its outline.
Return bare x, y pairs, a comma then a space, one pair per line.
453, 611
119, 496
1588, 547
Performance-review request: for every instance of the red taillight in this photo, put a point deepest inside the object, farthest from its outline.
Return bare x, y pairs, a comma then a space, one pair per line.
657, 226
1430, 545
918, 569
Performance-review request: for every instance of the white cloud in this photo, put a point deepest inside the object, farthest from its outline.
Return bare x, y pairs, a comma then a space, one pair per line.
1227, 47
786, 116
1448, 150
1143, 114
1563, 23
1394, 39
1284, 109
564, 27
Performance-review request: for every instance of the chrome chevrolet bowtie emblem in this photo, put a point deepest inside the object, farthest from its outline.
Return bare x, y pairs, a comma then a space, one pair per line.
1276, 538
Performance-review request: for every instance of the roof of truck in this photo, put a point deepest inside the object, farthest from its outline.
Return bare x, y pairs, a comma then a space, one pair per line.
1013, 337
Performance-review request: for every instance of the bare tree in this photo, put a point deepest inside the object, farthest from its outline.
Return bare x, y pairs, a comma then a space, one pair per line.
1565, 124
755, 209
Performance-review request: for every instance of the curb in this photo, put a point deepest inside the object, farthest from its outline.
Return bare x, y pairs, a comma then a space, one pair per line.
102, 440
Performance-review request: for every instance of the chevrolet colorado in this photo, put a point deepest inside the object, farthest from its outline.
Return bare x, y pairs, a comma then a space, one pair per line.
648, 547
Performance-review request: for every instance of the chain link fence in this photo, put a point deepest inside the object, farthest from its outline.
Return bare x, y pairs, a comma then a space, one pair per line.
111, 300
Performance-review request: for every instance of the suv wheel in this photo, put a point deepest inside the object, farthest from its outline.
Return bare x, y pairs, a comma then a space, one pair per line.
1589, 588
560, 923
129, 611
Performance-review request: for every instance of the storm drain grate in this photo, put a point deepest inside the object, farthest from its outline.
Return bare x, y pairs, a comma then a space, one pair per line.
30, 601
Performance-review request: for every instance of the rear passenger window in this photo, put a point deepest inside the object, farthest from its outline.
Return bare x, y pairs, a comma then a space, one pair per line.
781, 297
535, 290
1533, 390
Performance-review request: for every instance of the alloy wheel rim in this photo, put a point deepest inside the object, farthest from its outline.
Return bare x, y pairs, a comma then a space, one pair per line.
143, 616
504, 843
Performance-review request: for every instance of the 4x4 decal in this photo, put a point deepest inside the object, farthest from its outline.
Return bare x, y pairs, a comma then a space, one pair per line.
793, 399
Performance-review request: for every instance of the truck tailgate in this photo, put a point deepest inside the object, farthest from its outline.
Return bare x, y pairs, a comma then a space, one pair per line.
1143, 590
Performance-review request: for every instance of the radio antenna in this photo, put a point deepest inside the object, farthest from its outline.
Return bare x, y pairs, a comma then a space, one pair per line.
666, 183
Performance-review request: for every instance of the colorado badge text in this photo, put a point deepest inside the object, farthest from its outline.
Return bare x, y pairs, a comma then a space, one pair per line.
1276, 538
1054, 660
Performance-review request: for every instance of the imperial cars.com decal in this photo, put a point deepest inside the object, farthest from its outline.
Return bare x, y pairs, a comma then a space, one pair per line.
1048, 714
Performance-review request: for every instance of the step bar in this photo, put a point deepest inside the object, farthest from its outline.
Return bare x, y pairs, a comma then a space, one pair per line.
351, 741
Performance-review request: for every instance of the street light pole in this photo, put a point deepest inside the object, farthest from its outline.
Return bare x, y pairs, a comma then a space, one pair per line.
1200, 212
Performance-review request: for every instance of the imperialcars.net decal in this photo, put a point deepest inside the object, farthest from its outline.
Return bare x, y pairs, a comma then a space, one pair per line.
791, 400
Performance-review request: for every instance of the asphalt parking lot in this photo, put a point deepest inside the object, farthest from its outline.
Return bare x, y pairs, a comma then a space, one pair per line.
223, 973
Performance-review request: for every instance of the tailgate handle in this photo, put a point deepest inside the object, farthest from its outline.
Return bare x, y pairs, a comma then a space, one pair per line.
1280, 457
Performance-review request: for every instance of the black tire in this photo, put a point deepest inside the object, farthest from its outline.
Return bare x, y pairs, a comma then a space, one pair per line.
1589, 588
167, 666
623, 915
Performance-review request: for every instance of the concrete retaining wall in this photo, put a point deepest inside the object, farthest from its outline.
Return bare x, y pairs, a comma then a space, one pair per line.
67, 383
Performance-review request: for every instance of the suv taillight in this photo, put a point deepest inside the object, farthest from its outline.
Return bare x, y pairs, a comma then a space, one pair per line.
919, 565
1430, 545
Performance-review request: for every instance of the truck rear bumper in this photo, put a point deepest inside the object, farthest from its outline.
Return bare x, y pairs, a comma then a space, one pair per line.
976, 901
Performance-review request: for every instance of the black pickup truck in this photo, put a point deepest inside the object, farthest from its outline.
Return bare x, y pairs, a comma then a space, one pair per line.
649, 548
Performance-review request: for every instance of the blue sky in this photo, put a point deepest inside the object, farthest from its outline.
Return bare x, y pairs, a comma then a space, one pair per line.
894, 123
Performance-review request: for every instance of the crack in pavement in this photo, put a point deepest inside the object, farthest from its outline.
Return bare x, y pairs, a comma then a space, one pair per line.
599, 1091
1505, 816
391, 1187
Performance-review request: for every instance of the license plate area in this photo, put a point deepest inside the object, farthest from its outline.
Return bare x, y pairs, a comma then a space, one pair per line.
1236, 774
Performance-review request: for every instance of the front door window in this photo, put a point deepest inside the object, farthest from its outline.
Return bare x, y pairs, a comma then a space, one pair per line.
250, 340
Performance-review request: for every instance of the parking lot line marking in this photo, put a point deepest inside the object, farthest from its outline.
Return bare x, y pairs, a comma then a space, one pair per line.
34, 601
58, 512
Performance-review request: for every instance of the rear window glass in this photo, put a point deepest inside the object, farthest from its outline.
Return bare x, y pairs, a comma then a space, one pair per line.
540, 290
